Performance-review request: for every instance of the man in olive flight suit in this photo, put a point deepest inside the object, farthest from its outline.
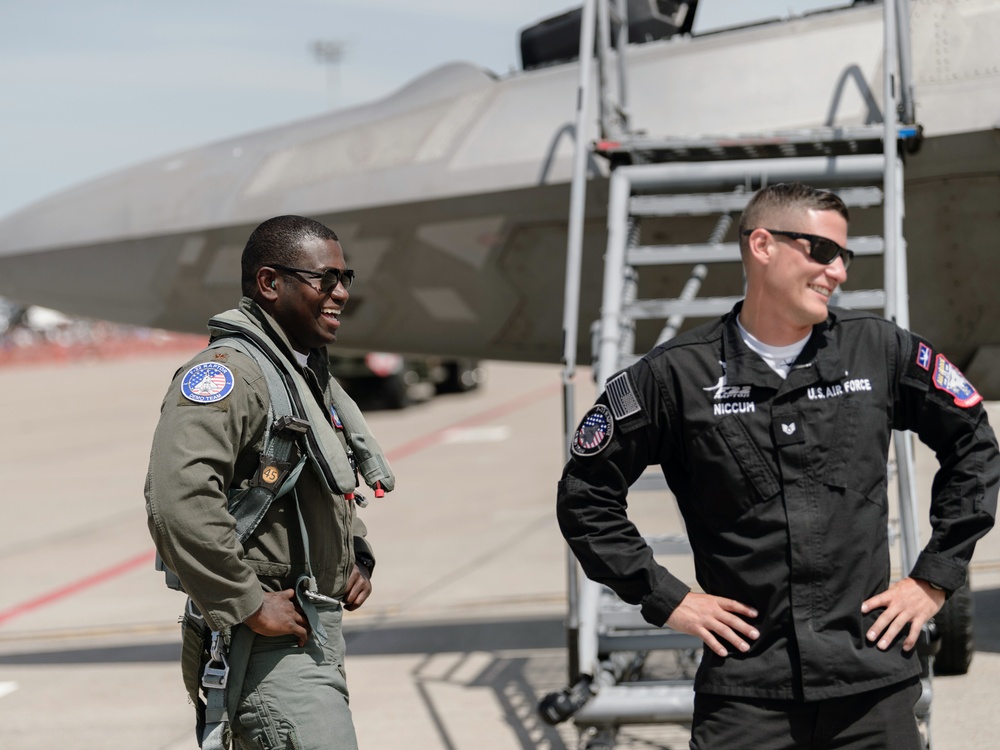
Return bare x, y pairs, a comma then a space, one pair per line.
772, 427
277, 597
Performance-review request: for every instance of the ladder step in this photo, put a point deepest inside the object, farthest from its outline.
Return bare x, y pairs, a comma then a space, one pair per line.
823, 141
678, 177
701, 204
726, 252
710, 307
668, 255
648, 640
629, 618
639, 703
702, 307
861, 299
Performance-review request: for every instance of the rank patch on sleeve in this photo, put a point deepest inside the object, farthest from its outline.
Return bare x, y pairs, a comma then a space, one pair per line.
207, 383
950, 379
621, 396
594, 432
924, 356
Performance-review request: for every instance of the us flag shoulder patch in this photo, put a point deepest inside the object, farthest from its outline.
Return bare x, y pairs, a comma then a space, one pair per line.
621, 396
594, 433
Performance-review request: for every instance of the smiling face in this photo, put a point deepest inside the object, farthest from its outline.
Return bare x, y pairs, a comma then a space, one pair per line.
308, 317
787, 291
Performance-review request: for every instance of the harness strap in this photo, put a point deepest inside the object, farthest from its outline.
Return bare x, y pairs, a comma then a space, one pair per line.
222, 684
250, 506
307, 591
214, 680
223, 662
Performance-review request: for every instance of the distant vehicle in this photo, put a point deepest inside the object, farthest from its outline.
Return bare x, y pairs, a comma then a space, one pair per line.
395, 381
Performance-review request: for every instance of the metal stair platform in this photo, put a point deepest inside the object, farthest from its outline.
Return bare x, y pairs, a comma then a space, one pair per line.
819, 141
639, 703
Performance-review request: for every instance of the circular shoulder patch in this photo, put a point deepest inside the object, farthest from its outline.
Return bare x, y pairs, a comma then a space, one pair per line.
594, 432
207, 383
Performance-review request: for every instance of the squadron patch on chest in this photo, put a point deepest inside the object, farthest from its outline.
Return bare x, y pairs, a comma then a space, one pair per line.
594, 433
207, 383
950, 379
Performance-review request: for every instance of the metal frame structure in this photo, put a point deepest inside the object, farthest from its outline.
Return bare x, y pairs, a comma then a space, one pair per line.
862, 164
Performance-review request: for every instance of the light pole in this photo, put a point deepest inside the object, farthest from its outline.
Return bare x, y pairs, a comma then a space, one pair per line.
330, 52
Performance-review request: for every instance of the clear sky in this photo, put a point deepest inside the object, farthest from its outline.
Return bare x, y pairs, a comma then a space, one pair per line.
89, 86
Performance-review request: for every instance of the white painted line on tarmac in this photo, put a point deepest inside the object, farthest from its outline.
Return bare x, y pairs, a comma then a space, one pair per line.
492, 434
6, 688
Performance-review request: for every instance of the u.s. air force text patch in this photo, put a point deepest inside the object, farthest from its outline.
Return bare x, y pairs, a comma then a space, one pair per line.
207, 383
594, 432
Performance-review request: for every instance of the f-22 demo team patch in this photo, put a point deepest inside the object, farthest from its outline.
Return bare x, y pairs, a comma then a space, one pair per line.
594, 432
950, 379
207, 383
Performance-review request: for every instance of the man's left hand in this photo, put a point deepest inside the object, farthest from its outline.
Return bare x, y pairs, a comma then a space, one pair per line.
359, 586
910, 601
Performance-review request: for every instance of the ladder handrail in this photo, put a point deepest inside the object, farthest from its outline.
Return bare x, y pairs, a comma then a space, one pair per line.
907, 108
571, 297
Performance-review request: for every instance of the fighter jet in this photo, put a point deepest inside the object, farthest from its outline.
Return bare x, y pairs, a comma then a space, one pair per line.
451, 195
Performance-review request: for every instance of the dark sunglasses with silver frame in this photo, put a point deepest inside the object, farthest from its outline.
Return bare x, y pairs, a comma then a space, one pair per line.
821, 249
328, 279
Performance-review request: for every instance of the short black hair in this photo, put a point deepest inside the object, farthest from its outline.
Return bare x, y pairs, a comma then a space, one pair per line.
278, 240
784, 195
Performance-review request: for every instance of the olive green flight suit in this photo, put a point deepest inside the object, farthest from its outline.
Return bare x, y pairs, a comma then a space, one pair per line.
201, 451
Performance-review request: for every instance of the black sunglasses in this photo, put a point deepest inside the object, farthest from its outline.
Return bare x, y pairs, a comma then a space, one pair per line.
328, 279
821, 249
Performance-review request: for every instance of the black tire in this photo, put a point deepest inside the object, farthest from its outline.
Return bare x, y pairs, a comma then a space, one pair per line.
955, 624
463, 376
395, 392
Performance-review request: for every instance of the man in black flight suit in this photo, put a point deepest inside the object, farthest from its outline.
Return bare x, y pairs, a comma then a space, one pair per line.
772, 427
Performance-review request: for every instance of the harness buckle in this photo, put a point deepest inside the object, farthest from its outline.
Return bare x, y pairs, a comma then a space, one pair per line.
192, 610
215, 677
309, 589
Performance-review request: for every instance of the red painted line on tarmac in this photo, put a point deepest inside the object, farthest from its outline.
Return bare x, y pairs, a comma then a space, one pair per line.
403, 451
77, 586
433, 438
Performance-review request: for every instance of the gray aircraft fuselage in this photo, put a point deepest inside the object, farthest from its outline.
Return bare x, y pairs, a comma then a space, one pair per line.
451, 196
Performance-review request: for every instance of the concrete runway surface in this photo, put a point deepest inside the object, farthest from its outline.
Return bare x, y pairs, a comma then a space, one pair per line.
463, 633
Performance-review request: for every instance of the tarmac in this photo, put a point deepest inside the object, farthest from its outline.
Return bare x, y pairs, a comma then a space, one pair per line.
463, 633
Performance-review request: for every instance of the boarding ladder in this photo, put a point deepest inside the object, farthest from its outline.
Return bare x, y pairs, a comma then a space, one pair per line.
662, 178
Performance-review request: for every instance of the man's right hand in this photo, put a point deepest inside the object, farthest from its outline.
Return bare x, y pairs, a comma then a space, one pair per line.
707, 616
279, 615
